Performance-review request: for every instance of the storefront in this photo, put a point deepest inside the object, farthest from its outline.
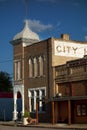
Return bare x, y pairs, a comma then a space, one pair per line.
69, 110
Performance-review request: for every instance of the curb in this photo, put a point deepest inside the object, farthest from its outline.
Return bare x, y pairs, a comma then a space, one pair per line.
49, 126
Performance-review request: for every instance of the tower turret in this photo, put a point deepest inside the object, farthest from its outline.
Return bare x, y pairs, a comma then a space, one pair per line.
26, 36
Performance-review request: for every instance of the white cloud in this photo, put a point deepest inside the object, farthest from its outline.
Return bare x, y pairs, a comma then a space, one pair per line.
37, 26
85, 38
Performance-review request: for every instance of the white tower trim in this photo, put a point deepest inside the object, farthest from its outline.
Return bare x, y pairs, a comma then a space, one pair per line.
18, 88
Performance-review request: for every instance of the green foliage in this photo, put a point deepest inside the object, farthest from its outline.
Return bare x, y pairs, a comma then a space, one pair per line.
26, 114
5, 82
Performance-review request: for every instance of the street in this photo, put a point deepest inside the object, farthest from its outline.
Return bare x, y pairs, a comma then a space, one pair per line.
2, 127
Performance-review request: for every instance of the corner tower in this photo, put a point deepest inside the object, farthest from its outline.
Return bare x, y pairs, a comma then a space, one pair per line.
20, 41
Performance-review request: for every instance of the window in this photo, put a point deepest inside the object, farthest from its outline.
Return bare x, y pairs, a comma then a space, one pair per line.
30, 68
78, 110
43, 99
84, 110
35, 67
81, 110
17, 70
41, 66
37, 94
32, 101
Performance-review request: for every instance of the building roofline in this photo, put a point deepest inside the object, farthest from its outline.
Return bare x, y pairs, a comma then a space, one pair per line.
68, 98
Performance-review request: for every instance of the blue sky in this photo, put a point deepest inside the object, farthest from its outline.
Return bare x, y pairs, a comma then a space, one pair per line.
49, 18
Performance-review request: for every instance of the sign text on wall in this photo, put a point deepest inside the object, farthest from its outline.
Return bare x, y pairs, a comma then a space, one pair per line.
69, 49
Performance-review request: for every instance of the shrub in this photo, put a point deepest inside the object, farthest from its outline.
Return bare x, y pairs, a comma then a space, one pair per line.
26, 114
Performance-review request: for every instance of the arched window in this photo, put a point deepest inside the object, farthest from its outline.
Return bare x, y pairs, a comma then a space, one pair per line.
35, 67
41, 66
17, 70
30, 68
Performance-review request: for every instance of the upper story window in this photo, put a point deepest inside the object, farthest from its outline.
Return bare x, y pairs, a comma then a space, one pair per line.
41, 65
36, 66
17, 70
30, 68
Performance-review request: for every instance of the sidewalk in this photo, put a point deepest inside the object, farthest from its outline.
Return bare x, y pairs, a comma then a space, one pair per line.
47, 125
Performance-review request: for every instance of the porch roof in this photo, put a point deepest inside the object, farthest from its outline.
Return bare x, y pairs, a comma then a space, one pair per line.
68, 98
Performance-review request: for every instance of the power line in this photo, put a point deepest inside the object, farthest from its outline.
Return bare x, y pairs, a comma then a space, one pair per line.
4, 61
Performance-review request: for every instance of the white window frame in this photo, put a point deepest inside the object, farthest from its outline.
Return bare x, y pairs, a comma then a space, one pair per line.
35, 97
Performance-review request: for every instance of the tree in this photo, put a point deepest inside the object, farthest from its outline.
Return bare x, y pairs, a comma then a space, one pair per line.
5, 82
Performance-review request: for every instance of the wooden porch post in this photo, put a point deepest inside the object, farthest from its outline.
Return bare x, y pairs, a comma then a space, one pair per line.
37, 110
69, 112
53, 112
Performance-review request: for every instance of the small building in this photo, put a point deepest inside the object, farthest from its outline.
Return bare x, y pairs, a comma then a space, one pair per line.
71, 105
41, 72
7, 106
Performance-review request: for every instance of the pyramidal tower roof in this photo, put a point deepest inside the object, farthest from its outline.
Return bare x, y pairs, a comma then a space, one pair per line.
26, 36
26, 33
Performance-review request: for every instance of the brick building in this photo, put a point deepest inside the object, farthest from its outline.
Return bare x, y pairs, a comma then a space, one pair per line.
71, 79
41, 73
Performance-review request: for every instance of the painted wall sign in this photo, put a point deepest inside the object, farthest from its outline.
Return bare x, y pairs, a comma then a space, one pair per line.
69, 49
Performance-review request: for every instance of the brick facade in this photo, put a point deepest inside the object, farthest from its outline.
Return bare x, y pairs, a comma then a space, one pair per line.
44, 73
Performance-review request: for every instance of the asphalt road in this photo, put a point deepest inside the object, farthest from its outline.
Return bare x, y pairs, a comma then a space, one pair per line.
2, 127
